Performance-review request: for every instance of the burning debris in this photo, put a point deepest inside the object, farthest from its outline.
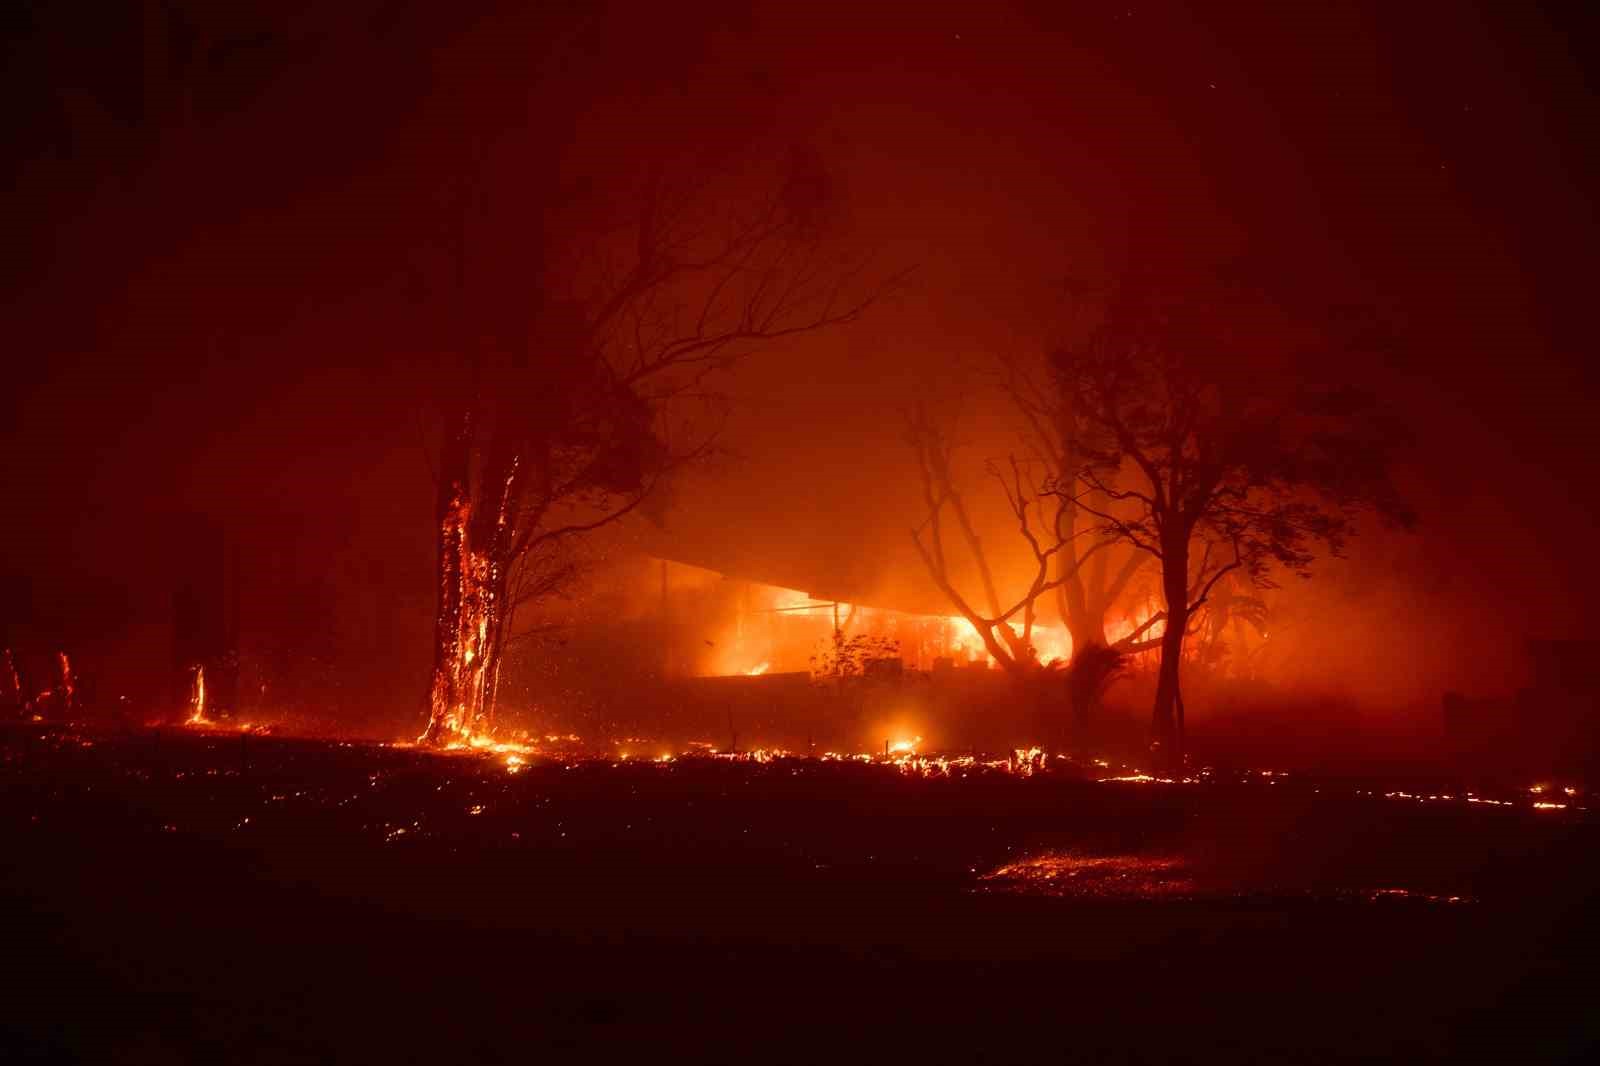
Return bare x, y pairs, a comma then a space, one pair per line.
408, 795
1095, 876
1074, 875
59, 697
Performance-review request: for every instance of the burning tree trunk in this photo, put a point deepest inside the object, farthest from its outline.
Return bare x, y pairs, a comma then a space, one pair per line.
477, 552
446, 708
469, 643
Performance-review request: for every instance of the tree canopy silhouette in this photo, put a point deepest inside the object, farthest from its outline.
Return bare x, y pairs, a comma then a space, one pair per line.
1214, 442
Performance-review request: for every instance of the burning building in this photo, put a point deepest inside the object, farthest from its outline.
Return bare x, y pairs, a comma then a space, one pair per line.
737, 626
744, 662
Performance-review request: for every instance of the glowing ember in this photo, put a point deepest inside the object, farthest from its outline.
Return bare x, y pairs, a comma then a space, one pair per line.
758, 755
1102, 876
1027, 761
1141, 779
1379, 895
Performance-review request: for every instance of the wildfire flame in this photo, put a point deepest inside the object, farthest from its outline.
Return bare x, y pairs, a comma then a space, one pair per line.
67, 689
197, 697
462, 699
758, 669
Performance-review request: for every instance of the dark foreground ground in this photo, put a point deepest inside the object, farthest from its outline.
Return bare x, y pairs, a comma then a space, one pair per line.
184, 898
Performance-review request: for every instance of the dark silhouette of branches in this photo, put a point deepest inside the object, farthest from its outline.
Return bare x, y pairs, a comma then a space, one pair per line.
1212, 456
1039, 526
577, 402
1057, 436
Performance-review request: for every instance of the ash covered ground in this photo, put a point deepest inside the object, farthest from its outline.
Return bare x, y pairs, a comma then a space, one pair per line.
186, 896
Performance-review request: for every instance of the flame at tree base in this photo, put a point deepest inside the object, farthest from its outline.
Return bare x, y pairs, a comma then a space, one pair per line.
197, 698
468, 635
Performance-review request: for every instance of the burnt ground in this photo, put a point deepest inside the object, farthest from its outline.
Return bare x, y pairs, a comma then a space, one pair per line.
171, 897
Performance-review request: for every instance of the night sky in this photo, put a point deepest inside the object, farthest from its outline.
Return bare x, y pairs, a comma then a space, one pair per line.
224, 310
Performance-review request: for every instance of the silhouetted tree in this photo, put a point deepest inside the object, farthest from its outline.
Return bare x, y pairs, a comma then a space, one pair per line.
1040, 526
1087, 586
584, 385
1214, 452
1067, 552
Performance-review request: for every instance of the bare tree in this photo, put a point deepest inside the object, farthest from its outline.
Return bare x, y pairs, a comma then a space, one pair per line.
1041, 524
580, 395
1212, 459
1056, 435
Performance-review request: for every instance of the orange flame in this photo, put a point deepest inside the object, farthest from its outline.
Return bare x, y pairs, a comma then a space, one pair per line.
67, 689
197, 698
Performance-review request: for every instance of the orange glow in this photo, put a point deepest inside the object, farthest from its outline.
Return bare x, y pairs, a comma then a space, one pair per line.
1131, 623
1101, 876
780, 630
